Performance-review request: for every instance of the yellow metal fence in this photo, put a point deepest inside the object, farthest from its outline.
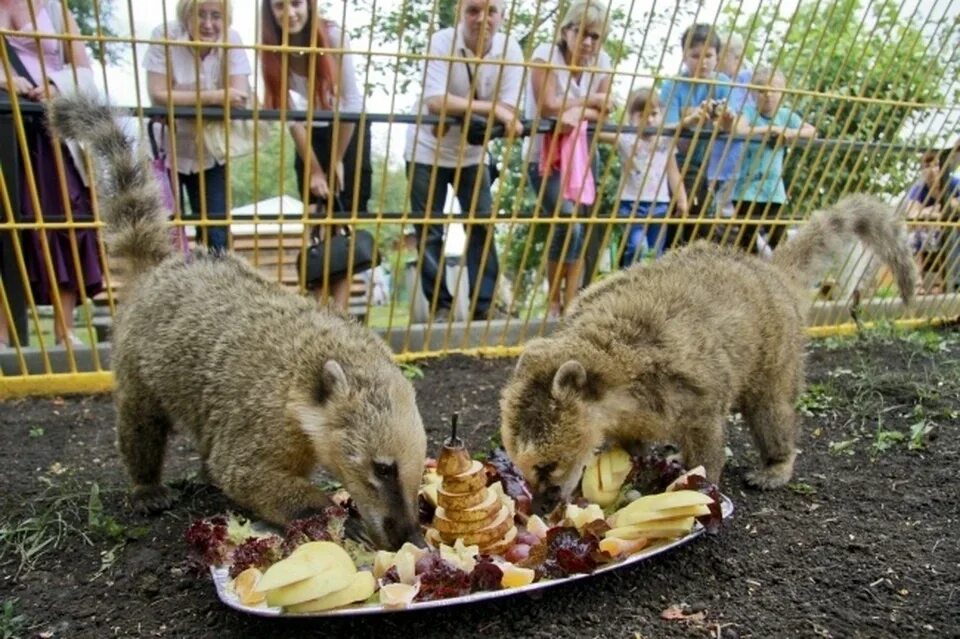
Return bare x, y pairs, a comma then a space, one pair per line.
875, 80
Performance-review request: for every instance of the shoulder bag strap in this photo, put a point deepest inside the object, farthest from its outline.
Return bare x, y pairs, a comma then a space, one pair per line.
15, 61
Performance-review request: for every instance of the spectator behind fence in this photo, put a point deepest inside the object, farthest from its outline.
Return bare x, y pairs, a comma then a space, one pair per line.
326, 153
701, 108
573, 89
726, 156
484, 79
934, 198
649, 175
44, 67
196, 72
760, 193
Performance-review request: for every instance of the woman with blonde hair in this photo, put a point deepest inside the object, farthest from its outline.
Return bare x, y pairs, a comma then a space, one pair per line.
321, 81
573, 88
198, 71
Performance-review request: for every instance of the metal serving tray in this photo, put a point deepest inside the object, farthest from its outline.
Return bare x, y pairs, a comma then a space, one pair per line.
221, 579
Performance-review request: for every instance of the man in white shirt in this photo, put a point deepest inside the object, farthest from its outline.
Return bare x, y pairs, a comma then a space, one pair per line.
485, 79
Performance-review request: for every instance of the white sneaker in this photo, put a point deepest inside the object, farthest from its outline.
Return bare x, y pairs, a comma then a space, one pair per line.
74, 340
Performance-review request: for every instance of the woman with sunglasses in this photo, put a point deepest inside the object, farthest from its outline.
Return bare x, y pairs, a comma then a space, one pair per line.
574, 87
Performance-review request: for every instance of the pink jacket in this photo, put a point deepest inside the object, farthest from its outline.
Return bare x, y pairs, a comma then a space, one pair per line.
570, 153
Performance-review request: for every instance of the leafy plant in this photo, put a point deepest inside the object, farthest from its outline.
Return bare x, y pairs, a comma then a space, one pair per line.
11, 624
886, 439
844, 447
411, 371
815, 399
36, 431
918, 435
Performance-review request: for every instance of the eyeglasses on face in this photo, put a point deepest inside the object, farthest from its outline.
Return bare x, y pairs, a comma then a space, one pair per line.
586, 35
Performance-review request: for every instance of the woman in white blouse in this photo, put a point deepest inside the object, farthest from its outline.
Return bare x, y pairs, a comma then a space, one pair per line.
192, 74
331, 153
574, 87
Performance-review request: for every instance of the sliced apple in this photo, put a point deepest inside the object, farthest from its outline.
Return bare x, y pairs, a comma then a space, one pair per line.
537, 526
306, 561
626, 519
460, 555
604, 476
616, 547
330, 580
382, 562
663, 501
660, 529
680, 482
361, 587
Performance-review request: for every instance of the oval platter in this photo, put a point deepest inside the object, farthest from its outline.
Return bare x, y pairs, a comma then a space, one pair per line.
221, 579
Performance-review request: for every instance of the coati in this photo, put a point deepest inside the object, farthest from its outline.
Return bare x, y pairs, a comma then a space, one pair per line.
663, 352
269, 386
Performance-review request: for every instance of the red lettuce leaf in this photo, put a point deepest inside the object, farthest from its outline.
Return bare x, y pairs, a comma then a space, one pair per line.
208, 541
256, 552
500, 468
486, 575
439, 579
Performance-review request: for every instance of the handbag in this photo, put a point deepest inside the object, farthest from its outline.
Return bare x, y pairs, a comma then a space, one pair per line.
242, 139
337, 263
158, 164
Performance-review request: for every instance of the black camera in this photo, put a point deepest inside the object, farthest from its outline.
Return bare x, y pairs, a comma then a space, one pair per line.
716, 107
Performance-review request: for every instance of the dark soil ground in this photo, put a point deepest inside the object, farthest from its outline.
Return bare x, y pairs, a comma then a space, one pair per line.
864, 543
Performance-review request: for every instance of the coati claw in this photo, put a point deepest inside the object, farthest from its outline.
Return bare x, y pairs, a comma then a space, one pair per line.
152, 499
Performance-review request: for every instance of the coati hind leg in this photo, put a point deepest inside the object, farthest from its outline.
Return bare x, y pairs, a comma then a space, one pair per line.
142, 431
772, 421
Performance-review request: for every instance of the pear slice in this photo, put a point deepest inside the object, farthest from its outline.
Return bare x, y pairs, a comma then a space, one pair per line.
627, 519
331, 580
660, 529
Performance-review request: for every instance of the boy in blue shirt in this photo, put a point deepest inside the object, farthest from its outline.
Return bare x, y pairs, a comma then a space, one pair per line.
705, 109
760, 192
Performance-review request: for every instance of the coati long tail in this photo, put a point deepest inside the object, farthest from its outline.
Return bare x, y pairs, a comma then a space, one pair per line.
862, 216
130, 200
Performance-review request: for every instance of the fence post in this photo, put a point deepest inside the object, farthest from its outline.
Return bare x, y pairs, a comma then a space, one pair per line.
9, 273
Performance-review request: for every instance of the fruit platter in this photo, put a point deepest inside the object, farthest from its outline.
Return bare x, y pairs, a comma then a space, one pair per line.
482, 540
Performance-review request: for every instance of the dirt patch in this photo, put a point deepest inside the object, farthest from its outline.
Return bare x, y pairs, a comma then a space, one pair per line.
863, 543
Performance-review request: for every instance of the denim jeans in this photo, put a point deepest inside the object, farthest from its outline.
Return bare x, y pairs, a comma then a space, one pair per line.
215, 185
640, 237
548, 205
421, 197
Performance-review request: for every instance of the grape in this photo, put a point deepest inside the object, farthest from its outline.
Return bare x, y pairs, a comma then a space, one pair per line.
528, 538
517, 553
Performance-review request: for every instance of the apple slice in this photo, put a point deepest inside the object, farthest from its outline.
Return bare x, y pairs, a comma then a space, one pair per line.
307, 560
663, 501
362, 585
616, 547
660, 529
330, 580
627, 519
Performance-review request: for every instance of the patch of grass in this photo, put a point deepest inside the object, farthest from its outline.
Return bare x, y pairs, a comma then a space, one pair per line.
802, 488
36, 431
844, 447
918, 435
411, 371
11, 624
884, 440
816, 398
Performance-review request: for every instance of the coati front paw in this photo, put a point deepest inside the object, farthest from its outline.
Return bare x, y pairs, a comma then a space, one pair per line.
152, 499
773, 476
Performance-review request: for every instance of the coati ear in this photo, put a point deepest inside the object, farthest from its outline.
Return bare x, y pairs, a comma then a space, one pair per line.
570, 376
527, 355
332, 381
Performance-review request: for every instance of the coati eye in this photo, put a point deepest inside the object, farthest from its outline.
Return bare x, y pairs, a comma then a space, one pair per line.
384, 471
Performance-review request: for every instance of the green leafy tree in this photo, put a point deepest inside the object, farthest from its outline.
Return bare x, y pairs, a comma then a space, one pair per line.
95, 17
858, 71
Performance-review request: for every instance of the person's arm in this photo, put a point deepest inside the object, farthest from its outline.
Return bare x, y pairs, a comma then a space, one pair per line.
316, 176
77, 73
160, 96
675, 180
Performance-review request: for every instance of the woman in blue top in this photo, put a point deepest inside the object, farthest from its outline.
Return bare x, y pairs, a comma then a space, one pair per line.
760, 192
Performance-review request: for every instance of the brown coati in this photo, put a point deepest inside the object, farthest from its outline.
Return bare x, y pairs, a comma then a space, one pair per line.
663, 352
269, 386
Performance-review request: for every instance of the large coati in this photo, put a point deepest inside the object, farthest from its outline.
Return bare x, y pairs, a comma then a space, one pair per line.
662, 353
269, 386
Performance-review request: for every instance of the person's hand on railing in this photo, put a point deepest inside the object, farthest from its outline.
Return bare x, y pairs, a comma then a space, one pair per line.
508, 117
21, 86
